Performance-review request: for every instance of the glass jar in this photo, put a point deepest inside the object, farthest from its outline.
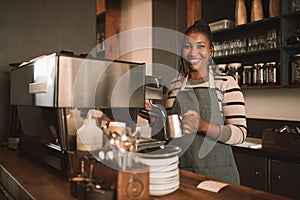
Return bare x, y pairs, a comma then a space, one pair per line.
222, 68
272, 73
265, 74
234, 69
295, 71
295, 5
247, 75
260, 74
254, 74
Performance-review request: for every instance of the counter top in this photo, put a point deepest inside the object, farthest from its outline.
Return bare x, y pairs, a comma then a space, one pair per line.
253, 146
28, 179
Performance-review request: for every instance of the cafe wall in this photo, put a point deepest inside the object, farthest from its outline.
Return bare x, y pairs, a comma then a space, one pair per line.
136, 15
278, 104
32, 28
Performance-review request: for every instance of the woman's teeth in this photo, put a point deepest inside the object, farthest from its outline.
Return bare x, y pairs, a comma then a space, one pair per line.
194, 61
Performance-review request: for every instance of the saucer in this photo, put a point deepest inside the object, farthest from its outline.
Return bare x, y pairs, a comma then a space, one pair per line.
164, 168
165, 186
164, 174
163, 192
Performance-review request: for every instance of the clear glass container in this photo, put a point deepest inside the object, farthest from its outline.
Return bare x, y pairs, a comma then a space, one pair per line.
260, 74
272, 73
295, 71
247, 75
234, 69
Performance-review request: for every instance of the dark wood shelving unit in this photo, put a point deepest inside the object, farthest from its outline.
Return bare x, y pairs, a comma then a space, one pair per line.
285, 24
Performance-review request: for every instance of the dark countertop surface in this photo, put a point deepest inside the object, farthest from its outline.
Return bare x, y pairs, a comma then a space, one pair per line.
26, 179
257, 149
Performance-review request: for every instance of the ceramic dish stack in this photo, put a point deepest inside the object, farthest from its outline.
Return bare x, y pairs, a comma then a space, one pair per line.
163, 166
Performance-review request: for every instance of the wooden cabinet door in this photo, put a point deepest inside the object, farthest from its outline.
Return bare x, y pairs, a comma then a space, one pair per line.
285, 179
252, 170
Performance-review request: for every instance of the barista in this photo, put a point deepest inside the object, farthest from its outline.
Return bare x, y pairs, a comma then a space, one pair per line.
212, 106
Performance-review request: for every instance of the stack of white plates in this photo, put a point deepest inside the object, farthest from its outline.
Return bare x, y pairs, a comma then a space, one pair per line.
164, 172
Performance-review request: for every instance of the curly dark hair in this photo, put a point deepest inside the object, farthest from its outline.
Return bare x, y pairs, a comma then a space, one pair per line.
200, 26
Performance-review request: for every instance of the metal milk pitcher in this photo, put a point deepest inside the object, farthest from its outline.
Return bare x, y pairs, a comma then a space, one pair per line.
174, 126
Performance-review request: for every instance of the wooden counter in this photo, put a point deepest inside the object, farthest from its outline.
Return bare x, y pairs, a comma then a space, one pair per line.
27, 179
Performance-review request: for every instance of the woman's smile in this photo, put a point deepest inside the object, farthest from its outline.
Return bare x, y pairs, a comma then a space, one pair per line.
194, 60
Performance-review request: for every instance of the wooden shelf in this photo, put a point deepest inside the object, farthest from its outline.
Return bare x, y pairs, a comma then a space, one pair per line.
269, 87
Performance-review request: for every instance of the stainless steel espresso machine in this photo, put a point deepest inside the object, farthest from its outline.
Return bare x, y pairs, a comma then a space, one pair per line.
46, 88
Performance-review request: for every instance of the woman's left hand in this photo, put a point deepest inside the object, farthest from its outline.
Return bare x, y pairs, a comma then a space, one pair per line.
190, 122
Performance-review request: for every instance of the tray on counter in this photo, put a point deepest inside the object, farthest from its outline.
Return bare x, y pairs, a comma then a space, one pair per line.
272, 139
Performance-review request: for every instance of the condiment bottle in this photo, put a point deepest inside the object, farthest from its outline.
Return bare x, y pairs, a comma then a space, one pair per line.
89, 135
257, 12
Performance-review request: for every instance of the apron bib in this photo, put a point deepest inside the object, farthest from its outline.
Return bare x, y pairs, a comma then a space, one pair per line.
204, 156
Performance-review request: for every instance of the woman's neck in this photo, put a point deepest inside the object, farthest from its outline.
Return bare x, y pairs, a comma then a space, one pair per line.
198, 75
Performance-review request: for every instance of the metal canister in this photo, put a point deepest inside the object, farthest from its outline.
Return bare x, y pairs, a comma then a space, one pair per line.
247, 75
295, 71
272, 73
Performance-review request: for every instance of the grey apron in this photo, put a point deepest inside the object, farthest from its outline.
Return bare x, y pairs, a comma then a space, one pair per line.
204, 156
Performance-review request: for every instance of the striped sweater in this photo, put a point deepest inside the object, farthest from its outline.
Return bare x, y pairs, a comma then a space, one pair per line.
231, 104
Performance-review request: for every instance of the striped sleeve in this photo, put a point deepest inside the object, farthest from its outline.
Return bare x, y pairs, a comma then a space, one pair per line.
234, 130
175, 87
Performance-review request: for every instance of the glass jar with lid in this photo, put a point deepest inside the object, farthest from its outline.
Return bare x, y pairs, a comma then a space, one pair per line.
234, 69
222, 68
272, 73
260, 73
295, 71
247, 75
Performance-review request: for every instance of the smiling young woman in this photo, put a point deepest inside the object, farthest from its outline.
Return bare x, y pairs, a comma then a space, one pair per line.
212, 106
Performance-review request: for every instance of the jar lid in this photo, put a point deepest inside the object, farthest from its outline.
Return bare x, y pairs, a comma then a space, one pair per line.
235, 65
260, 64
297, 55
271, 63
248, 66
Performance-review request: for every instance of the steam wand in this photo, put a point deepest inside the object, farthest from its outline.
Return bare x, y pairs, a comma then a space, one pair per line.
164, 115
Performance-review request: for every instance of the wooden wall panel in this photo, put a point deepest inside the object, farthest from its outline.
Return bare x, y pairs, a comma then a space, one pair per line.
112, 24
193, 11
100, 6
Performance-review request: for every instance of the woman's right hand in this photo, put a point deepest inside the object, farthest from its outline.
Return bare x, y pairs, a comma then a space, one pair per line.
190, 122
